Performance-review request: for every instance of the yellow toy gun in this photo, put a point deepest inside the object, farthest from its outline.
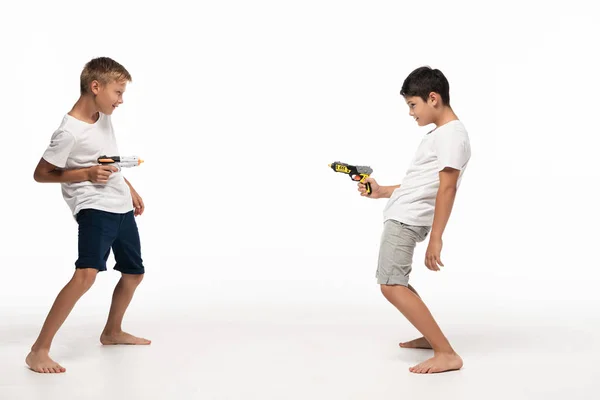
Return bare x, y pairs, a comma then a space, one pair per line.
124, 162
358, 173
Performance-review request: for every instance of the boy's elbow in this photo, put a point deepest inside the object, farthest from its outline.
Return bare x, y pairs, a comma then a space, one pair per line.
39, 176
38, 172
448, 190
451, 189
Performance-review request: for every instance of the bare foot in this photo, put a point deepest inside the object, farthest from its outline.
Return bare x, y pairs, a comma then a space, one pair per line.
40, 361
122, 338
420, 343
440, 362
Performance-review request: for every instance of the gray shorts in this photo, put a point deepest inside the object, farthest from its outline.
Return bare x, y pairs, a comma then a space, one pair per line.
398, 243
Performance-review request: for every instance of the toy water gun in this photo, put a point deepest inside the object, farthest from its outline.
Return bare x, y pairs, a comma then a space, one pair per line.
358, 173
123, 162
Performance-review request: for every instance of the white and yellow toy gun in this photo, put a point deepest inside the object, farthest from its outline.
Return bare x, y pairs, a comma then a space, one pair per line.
121, 161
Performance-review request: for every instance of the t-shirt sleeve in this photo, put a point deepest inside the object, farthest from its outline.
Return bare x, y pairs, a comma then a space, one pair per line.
452, 150
59, 148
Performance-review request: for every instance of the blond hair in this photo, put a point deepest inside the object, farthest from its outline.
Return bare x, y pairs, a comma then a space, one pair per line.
104, 70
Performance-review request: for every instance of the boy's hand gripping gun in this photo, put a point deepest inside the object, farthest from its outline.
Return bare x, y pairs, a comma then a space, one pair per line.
358, 173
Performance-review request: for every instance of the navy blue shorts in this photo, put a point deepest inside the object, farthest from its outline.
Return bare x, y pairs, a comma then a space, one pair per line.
99, 231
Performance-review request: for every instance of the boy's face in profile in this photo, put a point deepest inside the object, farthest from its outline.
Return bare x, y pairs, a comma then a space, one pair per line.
420, 110
109, 96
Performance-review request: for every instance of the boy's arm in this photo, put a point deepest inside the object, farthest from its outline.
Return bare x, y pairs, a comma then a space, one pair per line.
377, 191
138, 203
49, 173
388, 190
443, 207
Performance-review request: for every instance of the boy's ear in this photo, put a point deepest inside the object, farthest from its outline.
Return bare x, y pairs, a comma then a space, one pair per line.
434, 99
95, 87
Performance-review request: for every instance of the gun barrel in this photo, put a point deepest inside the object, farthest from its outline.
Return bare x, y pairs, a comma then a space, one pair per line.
128, 164
130, 159
121, 160
350, 169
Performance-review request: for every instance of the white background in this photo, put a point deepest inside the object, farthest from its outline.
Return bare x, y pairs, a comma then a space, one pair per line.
238, 107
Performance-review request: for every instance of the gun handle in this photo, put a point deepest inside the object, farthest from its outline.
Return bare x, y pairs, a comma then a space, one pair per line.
363, 179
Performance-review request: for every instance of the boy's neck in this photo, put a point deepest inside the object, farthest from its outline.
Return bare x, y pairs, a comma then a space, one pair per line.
446, 115
85, 109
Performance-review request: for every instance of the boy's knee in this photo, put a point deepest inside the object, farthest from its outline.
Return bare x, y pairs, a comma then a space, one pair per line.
133, 279
85, 277
386, 290
389, 290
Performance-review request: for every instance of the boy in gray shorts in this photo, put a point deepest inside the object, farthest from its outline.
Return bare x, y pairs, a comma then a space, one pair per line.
421, 206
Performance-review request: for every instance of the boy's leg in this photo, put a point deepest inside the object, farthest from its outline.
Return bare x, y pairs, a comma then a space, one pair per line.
113, 331
395, 264
39, 359
419, 343
128, 257
97, 231
413, 308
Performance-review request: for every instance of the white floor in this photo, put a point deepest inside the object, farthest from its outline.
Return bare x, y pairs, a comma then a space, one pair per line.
305, 352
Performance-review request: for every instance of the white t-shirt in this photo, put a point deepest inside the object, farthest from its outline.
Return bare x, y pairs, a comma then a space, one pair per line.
413, 202
78, 144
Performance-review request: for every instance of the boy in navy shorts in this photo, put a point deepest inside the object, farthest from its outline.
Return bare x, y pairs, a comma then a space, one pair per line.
101, 200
